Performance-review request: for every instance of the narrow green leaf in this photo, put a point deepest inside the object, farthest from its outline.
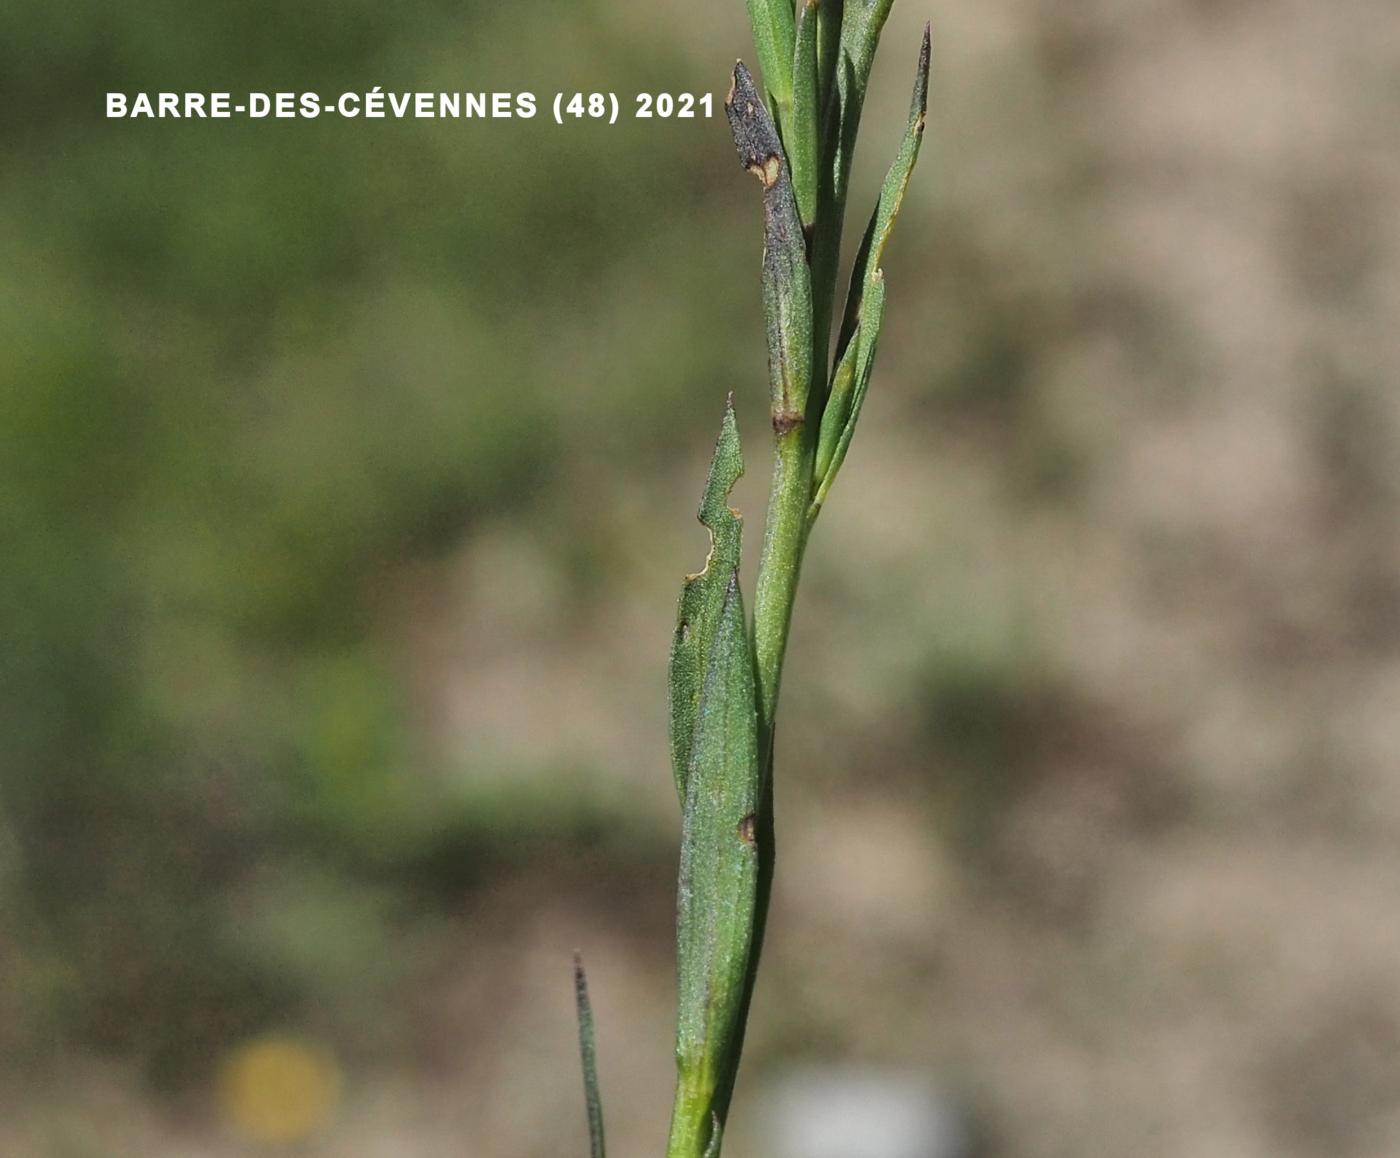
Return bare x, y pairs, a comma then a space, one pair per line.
862, 21
828, 48
702, 596
800, 134
877, 233
872, 317
836, 147
838, 408
865, 301
787, 284
773, 36
861, 25
591, 1096
718, 877
845, 111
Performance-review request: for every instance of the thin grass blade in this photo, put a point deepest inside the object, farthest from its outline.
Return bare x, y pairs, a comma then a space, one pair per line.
587, 1052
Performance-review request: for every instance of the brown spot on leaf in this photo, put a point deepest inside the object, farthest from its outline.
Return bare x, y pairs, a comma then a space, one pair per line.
768, 172
748, 829
785, 421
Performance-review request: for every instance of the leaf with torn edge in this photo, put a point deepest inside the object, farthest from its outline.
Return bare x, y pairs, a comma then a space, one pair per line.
702, 596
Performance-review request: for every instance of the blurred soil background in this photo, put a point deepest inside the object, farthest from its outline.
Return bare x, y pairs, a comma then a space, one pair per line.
348, 475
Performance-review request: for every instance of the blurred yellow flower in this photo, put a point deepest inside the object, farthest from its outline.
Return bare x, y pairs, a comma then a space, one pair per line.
279, 1090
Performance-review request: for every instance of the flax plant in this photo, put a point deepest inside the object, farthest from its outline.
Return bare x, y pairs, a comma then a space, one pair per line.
797, 134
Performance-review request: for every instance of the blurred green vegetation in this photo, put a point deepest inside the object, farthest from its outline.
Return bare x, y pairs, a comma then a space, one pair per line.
252, 368
347, 474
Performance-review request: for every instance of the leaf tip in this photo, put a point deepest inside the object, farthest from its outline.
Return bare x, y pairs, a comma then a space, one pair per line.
919, 105
587, 1050
755, 137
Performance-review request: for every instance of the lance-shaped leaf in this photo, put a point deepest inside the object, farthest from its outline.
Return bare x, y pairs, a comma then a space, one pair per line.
800, 133
718, 878
592, 1099
702, 596
787, 282
877, 233
773, 35
871, 317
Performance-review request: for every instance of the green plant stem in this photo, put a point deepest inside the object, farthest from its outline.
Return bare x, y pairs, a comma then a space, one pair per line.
726, 672
784, 541
800, 310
